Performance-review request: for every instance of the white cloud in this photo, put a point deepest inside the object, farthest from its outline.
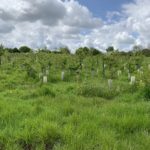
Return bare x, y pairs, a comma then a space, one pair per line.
131, 29
55, 23
123, 40
138, 20
79, 16
48, 12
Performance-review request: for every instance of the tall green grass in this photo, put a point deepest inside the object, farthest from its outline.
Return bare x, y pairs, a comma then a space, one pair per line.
73, 114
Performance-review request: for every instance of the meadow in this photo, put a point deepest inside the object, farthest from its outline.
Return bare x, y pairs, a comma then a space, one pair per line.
67, 102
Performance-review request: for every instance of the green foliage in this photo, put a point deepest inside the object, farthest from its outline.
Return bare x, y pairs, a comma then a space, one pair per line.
25, 49
110, 49
2, 50
94, 51
79, 113
111, 62
146, 92
13, 50
31, 72
46, 91
97, 91
146, 52
64, 50
44, 50
50, 135
137, 48
83, 51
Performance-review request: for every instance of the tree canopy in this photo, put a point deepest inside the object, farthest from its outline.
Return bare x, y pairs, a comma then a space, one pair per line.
25, 49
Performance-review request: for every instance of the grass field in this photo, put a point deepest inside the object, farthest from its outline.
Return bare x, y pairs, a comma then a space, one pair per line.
79, 113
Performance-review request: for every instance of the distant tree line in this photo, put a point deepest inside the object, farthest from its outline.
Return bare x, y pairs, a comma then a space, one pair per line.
22, 49
82, 51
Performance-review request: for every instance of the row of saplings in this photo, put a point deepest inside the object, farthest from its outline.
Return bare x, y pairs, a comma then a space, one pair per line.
107, 66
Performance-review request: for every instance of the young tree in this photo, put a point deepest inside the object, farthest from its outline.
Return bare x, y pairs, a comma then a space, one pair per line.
146, 52
94, 51
110, 49
2, 50
83, 51
64, 50
137, 48
15, 50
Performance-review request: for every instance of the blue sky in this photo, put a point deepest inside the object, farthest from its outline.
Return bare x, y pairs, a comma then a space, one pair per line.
99, 8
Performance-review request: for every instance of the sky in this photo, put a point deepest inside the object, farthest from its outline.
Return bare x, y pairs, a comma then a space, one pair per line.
100, 8
75, 23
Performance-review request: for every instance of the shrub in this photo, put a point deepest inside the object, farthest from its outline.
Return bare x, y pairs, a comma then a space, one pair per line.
54, 79
96, 91
133, 88
26, 139
50, 135
46, 91
31, 73
2, 142
64, 50
146, 92
24, 49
